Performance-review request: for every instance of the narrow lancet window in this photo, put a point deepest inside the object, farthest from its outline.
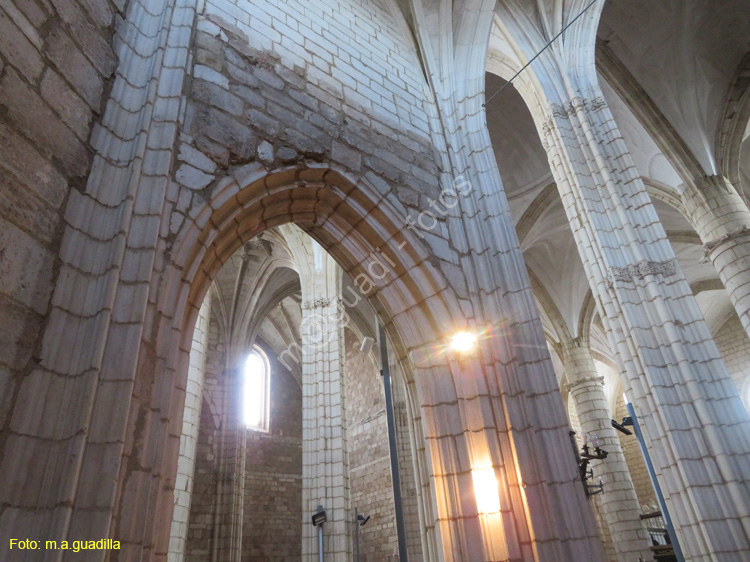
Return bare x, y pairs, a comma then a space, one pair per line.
256, 390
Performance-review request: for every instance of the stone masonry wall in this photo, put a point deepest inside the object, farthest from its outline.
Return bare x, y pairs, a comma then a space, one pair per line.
201, 518
190, 428
309, 102
273, 477
369, 458
56, 60
354, 47
246, 105
273, 471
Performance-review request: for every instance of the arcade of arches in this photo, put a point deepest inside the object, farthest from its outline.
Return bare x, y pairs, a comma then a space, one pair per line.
189, 182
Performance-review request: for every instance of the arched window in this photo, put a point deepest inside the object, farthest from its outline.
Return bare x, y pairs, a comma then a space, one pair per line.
256, 390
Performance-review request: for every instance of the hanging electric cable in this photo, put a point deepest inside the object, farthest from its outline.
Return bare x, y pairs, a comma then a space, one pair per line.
571, 22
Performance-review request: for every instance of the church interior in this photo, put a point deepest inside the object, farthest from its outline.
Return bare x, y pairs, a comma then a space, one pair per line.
375, 280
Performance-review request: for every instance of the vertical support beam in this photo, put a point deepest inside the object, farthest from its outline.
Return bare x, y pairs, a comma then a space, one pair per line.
655, 324
655, 483
385, 371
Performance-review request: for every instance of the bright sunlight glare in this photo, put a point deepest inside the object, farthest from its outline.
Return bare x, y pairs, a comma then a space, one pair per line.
463, 342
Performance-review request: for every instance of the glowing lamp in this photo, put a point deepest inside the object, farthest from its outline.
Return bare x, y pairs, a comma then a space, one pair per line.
485, 490
463, 342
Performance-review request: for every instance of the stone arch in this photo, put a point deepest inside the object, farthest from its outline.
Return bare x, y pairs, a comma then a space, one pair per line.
329, 205
351, 220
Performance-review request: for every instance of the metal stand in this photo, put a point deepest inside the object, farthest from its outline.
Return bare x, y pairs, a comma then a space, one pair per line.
356, 535
319, 519
320, 543
655, 483
385, 371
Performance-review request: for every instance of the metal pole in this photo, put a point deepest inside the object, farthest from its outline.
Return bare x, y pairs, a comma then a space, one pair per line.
320, 543
356, 534
655, 483
386, 373
320, 537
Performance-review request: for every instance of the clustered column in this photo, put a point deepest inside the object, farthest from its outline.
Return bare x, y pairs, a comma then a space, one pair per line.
692, 413
722, 220
619, 502
325, 471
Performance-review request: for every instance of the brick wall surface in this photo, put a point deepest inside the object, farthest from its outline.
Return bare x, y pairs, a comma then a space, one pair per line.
308, 102
273, 477
248, 104
369, 459
273, 470
56, 60
355, 47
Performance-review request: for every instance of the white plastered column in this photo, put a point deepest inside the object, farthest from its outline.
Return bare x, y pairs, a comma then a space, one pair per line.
619, 502
190, 427
499, 410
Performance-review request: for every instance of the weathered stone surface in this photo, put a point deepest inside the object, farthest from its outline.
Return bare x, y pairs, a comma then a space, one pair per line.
45, 129
33, 170
193, 177
265, 152
71, 108
72, 63
26, 269
196, 158
239, 139
20, 52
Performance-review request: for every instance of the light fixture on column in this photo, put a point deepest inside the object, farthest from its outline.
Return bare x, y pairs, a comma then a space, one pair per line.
584, 457
463, 342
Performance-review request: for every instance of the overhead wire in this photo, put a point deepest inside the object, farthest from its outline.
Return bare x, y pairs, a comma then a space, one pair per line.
571, 22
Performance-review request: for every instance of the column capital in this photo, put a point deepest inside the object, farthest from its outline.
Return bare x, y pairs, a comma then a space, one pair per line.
320, 303
591, 380
576, 104
713, 181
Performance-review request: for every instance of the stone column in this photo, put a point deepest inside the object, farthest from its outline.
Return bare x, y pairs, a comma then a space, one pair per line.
619, 502
230, 474
721, 218
325, 469
183, 489
695, 423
